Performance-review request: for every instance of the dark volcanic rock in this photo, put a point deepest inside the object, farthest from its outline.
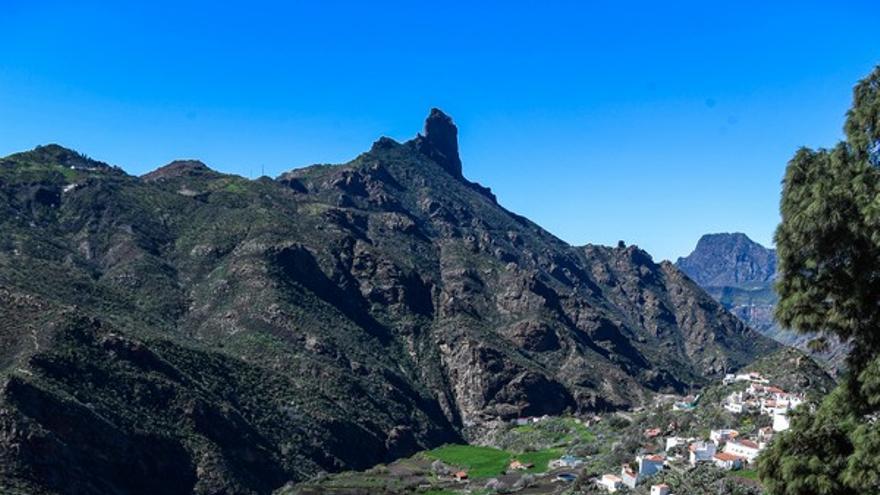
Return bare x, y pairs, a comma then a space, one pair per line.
440, 142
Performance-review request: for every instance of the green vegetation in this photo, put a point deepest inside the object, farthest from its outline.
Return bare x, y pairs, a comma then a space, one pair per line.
552, 432
485, 462
541, 459
749, 474
480, 462
829, 266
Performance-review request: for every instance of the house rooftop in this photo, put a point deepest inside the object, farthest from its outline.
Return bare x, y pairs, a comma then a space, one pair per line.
724, 456
747, 443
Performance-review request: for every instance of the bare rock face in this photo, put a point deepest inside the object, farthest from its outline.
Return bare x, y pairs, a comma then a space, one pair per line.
440, 142
533, 336
731, 260
254, 332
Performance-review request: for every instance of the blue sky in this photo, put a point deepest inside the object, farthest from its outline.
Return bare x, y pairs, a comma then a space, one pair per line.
651, 122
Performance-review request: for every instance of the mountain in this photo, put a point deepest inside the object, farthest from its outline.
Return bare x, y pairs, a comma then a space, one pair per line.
740, 273
730, 260
190, 331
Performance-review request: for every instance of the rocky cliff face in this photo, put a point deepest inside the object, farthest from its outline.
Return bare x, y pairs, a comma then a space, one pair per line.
195, 332
740, 273
729, 260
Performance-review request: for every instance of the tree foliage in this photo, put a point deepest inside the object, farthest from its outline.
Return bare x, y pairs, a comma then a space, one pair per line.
829, 264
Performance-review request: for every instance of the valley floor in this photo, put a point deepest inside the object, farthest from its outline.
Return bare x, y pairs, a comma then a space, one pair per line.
556, 455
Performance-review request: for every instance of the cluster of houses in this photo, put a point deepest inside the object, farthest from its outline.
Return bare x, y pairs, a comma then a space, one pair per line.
761, 397
646, 465
728, 449
725, 448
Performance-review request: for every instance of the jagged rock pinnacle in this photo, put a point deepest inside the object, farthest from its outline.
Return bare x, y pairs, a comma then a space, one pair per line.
440, 141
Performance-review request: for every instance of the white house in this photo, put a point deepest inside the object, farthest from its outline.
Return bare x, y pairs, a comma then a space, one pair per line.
610, 482
661, 489
781, 422
736, 403
787, 401
728, 461
649, 465
743, 448
701, 452
566, 461
629, 477
722, 436
769, 407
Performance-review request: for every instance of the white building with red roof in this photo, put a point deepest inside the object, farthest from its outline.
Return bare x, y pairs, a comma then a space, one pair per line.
728, 461
743, 448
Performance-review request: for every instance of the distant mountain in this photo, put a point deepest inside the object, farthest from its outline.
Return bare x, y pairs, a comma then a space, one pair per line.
190, 331
739, 273
729, 260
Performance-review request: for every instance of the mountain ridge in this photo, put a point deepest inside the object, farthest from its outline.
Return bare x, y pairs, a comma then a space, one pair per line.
255, 331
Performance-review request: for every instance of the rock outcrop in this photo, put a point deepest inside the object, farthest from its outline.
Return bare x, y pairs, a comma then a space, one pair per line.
440, 142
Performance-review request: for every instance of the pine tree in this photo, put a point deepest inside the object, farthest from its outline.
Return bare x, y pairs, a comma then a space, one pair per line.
829, 281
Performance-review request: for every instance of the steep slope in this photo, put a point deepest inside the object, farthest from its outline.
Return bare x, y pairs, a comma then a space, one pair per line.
251, 332
740, 273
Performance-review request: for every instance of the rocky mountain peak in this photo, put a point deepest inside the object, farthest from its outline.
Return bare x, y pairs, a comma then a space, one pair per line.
729, 259
440, 141
178, 168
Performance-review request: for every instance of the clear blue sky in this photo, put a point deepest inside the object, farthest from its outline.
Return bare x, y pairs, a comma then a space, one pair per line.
651, 122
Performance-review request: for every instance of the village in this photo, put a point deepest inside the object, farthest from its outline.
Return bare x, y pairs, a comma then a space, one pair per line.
659, 449
726, 448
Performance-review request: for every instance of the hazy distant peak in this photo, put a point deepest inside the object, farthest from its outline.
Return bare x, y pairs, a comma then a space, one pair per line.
729, 259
